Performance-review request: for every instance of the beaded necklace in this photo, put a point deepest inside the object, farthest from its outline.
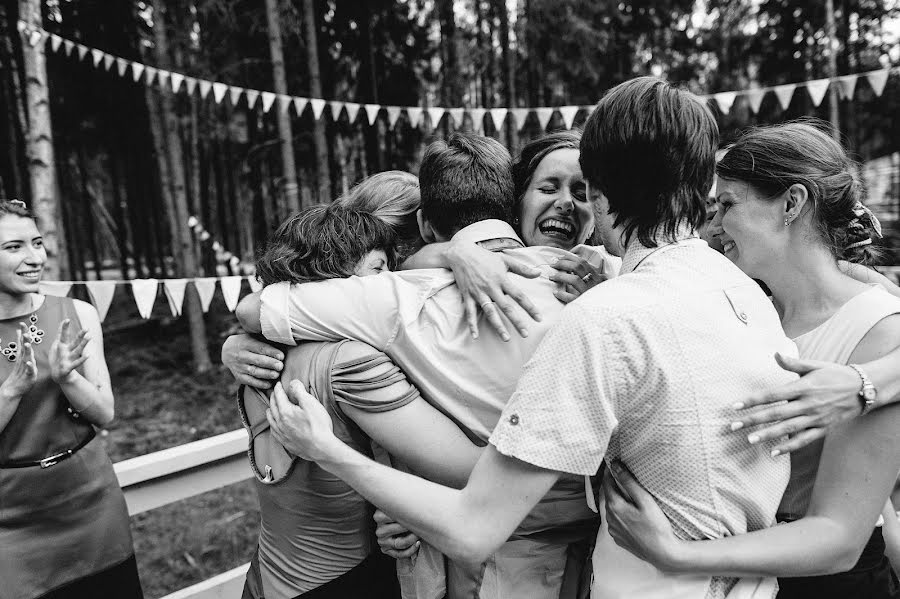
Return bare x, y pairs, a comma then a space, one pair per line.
34, 335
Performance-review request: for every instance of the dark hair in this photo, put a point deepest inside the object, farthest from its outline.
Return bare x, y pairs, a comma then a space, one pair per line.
15, 208
650, 148
323, 242
773, 158
532, 154
464, 180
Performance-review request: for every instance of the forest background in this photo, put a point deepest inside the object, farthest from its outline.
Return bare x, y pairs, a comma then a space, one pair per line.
133, 162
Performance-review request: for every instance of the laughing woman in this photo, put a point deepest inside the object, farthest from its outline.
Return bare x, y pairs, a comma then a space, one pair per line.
64, 529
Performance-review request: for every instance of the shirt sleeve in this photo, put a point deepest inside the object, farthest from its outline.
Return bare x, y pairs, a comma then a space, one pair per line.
362, 308
368, 380
562, 415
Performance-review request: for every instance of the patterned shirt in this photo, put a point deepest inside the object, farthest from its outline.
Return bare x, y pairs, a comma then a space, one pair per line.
645, 369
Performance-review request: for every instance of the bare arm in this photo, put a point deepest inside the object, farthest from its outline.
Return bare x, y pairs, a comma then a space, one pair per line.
867, 275
891, 531
247, 313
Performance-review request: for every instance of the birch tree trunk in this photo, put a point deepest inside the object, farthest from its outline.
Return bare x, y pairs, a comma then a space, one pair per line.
39, 143
16, 121
509, 73
323, 172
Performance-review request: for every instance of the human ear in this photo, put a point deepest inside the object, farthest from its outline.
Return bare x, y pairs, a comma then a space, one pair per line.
795, 200
425, 228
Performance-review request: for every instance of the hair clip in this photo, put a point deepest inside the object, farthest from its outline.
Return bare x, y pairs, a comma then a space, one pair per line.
18, 203
859, 244
859, 209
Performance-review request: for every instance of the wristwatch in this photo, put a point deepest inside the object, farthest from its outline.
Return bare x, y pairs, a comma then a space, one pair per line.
867, 391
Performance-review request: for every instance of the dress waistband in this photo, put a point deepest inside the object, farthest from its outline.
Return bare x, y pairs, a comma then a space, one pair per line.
53, 459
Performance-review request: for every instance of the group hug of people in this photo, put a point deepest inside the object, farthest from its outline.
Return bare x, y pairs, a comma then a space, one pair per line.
566, 375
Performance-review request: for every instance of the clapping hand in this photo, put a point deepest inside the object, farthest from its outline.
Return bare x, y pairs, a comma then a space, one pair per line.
67, 353
24, 373
300, 423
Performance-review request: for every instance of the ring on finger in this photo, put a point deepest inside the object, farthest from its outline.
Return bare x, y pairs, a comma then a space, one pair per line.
587, 278
487, 303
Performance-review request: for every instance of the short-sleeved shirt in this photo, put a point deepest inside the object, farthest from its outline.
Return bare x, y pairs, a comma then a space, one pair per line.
645, 369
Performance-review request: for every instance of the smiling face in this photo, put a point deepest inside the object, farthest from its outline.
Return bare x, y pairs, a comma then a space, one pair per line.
555, 210
22, 255
373, 263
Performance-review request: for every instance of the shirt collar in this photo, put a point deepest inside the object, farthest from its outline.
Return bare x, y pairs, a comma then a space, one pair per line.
486, 230
636, 252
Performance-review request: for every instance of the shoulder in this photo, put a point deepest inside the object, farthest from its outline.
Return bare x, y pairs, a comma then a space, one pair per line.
86, 313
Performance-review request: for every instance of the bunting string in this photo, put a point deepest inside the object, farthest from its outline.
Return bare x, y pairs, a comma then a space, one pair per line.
415, 116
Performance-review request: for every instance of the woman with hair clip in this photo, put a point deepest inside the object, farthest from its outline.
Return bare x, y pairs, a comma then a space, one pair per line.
790, 206
64, 528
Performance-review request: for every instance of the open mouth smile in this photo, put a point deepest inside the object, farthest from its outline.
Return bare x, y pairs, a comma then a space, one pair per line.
556, 228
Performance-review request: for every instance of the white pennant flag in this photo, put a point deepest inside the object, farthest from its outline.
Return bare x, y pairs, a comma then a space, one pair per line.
284, 103
56, 288
755, 98
151, 74
568, 114
498, 115
848, 86
300, 105
352, 109
336, 108
255, 284
268, 98
371, 112
219, 90
784, 93
234, 94
206, 288
725, 100
393, 113
55, 41
318, 105
878, 79
122, 66
544, 115
435, 114
69, 46
177, 80
477, 115
415, 115
205, 86
457, 115
97, 55
816, 90
108, 61
252, 97
82, 51
231, 290
520, 115
101, 293
190, 84
144, 291
137, 69
174, 289
163, 79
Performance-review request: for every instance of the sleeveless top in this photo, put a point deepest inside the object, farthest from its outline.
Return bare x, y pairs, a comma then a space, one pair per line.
833, 341
314, 527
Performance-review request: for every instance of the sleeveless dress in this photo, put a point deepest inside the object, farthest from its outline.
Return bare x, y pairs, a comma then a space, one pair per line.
64, 528
834, 341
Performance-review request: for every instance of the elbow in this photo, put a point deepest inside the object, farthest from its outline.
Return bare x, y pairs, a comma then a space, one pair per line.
105, 417
475, 548
839, 551
247, 313
841, 561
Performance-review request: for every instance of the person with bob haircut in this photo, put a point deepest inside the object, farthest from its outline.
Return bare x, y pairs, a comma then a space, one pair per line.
640, 370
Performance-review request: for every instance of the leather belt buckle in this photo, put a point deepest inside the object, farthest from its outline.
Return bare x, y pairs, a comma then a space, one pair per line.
55, 459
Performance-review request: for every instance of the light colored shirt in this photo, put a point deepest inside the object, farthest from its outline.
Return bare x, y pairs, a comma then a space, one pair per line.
645, 369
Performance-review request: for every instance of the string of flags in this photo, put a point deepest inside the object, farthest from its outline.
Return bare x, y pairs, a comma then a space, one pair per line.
415, 115
145, 292
223, 256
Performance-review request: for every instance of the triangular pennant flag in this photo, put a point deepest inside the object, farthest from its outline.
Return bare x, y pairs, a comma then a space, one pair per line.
372, 112
205, 86
190, 84
520, 115
252, 97
300, 105
568, 114
231, 291
725, 100
234, 94
69, 45
82, 51
544, 115
352, 109
477, 115
97, 55
206, 288
415, 114
457, 115
393, 113
144, 291
151, 74
101, 293
498, 115
435, 114
56, 288
177, 80
755, 98
163, 79
878, 79
318, 105
108, 60
336, 108
219, 90
255, 284
55, 41
816, 90
848, 86
137, 69
284, 103
268, 98
174, 289
122, 66
784, 93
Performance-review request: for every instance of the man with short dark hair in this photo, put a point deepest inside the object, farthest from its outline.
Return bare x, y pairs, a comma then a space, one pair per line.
640, 371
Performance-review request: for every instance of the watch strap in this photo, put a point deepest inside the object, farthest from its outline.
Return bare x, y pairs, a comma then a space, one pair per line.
867, 392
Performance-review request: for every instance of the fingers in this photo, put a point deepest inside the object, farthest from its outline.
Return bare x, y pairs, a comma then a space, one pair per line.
260, 373
406, 553
782, 429
800, 440
797, 365
380, 517
30, 363
518, 318
250, 381
523, 300
62, 334
392, 529
776, 413
80, 342
275, 402
262, 362
565, 296
79, 362
492, 313
565, 278
519, 268
629, 484
788, 392
471, 316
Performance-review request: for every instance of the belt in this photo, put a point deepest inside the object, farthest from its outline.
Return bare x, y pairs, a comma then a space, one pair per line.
53, 459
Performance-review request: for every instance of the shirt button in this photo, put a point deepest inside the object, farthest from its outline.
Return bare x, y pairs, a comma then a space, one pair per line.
514, 419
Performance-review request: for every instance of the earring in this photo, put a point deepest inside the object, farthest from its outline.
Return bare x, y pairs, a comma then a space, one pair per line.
787, 221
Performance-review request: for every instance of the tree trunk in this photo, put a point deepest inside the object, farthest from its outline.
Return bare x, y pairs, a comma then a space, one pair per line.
323, 172
285, 132
39, 144
452, 72
509, 72
181, 234
16, 121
